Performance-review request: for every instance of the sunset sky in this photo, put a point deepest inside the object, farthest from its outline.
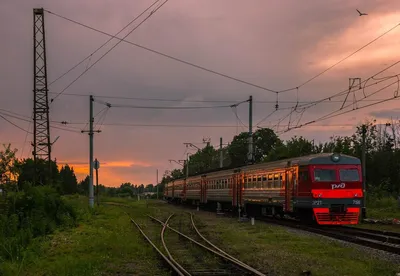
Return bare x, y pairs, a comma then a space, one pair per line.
273, 44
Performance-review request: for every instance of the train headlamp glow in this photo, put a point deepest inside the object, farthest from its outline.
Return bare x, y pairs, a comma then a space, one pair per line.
335, 157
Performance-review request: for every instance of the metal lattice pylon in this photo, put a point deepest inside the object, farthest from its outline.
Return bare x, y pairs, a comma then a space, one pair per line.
41, 133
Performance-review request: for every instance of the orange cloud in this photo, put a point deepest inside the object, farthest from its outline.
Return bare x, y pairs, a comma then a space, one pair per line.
108, 172
334, 48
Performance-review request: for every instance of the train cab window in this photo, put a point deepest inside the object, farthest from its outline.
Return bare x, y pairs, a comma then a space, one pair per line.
325, 175
349, 175
303, 176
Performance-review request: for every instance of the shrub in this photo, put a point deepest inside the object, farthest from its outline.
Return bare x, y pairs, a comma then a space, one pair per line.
37, 211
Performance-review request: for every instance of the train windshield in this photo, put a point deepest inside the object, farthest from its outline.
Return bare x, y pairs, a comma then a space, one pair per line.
321, 175
349, 175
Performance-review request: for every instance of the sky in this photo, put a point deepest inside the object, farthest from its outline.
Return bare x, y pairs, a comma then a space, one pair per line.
276, 45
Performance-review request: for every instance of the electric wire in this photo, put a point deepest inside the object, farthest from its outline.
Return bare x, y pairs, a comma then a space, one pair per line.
160, 107
192, 101
343, 59
332, 114
104, 44
224, 75
166, 55
91, 66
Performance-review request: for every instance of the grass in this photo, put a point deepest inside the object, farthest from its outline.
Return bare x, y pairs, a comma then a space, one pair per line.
106, 243
280, 251
385, 208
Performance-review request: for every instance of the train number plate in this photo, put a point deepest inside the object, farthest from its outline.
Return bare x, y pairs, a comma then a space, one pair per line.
356, 201
317, 202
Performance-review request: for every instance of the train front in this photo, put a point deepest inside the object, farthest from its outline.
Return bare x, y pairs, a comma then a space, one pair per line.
336, 187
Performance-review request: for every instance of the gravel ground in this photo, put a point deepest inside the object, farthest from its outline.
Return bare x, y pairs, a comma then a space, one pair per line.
371, 252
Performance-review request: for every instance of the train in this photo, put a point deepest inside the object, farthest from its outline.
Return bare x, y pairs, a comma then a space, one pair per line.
323, 189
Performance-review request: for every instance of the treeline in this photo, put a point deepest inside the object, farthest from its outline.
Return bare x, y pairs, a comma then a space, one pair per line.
31, 205
381, 144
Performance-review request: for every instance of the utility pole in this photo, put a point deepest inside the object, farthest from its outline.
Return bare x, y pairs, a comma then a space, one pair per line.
250, 153
97, 166
187, 165
221, 154
364, 133
91, 133
157, 182
41, 124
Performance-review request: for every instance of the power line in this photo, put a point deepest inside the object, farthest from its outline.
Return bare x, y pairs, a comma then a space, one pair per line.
343, 59
91, 66
12, 123
104, 44
2, 115
195, 101
221, 74
165, 55
160, 107
332, 114
343, 92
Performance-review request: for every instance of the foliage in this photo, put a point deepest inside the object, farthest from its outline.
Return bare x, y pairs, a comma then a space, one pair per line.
30, 204
381, 144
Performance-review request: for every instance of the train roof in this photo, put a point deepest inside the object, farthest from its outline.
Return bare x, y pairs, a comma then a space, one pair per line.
312, 159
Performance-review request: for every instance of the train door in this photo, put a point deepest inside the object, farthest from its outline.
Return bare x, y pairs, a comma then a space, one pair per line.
203, 190
234, 190
290, 176
185, 184
239, 189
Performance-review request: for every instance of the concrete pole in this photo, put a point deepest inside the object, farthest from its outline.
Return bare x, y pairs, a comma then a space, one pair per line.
363, 163
250, 153
91, 119
221, 155
157, 183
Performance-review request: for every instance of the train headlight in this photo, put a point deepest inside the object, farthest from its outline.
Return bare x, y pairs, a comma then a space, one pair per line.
335, 157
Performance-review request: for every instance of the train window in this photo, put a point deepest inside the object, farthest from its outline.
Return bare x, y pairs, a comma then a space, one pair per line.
349, 175
303, 176
277, 183
325, 175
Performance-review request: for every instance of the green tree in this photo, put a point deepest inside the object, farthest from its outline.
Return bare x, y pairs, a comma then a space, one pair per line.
69, 183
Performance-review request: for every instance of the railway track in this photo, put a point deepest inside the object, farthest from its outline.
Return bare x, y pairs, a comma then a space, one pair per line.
224, 264
382, 240
376, 239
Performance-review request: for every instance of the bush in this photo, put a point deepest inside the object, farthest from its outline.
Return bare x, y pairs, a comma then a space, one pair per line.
38, 211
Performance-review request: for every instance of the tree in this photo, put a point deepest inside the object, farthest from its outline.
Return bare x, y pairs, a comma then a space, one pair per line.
69, 183
8, 170
265, 140
83, 186
26, 168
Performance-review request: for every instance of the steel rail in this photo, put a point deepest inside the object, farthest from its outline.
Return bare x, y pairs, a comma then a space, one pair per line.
220, 250
339, 236
184, 271
245, 267
372, 231
156, 248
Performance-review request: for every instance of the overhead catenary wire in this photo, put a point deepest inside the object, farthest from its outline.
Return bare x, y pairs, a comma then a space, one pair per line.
304, 107
193, 101
160, 107
4, 115
332, 114
99, 48
165, 55
91, 66
222, 74
345, 58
